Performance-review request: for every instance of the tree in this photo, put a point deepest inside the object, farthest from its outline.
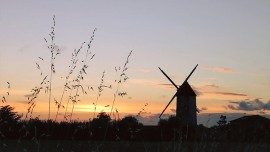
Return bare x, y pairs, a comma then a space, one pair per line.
100, 125
101, 121
7, 115
171, 122
172, 128
8, 122
222, 121
128, 126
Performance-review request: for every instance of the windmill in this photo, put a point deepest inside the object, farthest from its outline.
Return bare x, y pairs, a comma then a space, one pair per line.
186, 109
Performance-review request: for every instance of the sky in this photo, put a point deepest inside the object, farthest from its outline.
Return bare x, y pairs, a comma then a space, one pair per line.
230, 40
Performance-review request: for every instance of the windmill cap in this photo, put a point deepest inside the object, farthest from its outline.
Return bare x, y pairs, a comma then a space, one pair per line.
186, 90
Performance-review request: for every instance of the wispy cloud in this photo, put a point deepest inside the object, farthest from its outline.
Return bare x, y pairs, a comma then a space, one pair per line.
163, 96
144, 82
205, 89
167, 85
253, 105
229, 94
24, 48
220, 69
210, 86
22, 102
29, 95
173, 110
145, 70
150, 120
202, 109
197, 91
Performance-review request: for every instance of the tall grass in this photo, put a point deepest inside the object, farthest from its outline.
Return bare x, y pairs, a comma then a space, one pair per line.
82, 73
73, 85
122, 78
100, 90
31, 98
6, 94
67, 84
120, 81
54, 50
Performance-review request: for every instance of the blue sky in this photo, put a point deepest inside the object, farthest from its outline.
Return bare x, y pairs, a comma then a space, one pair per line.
230, 40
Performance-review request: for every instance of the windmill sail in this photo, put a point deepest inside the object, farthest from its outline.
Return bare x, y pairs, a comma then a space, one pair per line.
168, 105
178, 89
191, 73
168, 77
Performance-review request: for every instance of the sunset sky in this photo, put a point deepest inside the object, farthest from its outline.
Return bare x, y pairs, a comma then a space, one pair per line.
230, 40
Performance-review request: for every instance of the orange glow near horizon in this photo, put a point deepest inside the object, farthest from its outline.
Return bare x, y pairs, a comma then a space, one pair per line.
84, 110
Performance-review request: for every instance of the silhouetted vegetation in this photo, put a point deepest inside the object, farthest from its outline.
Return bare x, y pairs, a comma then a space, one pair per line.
8, 115
254, 130
222, 121
14, 128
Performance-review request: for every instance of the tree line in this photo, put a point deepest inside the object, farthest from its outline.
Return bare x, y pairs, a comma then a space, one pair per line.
246, 129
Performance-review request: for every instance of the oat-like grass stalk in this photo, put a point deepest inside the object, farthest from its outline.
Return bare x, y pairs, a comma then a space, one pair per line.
100, 90
88, 57
33, 96
6, 95
72, 66
122, 79
54, 49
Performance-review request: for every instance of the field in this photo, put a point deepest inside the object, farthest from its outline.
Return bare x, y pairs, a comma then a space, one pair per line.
123, 146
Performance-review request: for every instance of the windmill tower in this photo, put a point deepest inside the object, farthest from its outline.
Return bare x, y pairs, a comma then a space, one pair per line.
186, 109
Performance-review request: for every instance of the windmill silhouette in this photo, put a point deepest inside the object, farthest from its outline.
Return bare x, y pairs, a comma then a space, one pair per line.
186, 109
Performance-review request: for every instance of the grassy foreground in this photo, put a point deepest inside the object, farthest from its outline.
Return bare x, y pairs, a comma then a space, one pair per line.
123, 146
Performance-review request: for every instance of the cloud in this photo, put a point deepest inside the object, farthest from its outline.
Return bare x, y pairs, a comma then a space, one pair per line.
22, 101
207, 119
220, 69
60, 47
144, 82
261, 112
29, 95
163, 96
205, 89
145, 70
202, 109
167, 85
196, 90
173, 110
24, 48
149, 120
229, 94
210, 86
253, 105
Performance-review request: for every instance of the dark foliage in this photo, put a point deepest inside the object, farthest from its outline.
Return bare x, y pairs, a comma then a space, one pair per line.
8, 121
99, 125
222, 121
255, 129
7, 115
128, 128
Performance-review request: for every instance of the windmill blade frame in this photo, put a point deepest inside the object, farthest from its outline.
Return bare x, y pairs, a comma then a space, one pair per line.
168, 105
168, 78
191, 73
